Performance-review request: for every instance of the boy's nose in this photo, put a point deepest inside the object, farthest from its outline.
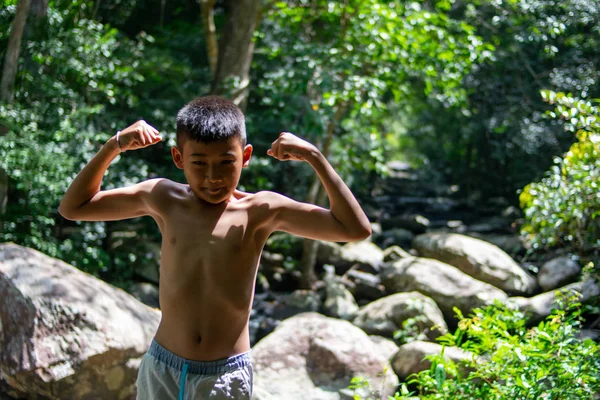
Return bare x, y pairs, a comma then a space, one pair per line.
213, 175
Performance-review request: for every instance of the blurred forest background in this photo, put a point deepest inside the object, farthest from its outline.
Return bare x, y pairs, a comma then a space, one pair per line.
496, 98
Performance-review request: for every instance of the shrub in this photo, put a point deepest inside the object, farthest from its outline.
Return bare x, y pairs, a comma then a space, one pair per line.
563, 209
510, 360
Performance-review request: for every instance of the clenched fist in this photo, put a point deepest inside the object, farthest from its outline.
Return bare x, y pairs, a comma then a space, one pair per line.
290, 147
137, 136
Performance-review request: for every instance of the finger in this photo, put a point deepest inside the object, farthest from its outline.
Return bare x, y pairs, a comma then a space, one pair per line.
280, 152
144, 137
269, 152
140, 137
149, 139
153, 129
275, 151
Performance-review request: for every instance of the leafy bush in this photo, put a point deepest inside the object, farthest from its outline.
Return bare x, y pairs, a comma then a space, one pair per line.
563, 208
56, 124
510, 360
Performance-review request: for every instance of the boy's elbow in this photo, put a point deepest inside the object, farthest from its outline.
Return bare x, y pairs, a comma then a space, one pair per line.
66, 212
366, 232
362, 233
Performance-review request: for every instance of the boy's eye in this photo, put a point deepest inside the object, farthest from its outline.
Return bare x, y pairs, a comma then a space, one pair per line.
199, 163
227, 162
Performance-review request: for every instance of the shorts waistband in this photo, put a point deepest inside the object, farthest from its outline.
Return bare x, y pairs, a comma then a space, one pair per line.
199, 367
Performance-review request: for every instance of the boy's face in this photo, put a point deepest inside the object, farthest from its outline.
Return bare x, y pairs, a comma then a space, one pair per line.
212, 169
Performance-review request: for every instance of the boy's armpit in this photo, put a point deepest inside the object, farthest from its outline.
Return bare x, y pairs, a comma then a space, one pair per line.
306, 220
122, 203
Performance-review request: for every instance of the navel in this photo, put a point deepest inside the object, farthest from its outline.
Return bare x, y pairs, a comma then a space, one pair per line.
199, 339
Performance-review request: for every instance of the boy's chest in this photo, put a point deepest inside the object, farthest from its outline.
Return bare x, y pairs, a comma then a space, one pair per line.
228, 230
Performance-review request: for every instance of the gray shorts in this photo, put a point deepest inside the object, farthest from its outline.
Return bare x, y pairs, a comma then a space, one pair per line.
166, 376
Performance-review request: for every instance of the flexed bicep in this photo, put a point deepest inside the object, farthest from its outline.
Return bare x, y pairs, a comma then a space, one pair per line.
308, 220
115, 204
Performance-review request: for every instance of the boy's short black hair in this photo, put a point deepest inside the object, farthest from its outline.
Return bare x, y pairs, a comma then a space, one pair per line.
210, 118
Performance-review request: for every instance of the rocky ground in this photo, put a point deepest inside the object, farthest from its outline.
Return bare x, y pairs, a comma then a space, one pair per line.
67, 335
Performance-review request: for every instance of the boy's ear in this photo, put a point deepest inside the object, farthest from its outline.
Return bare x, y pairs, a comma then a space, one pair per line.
177, 157
247, 155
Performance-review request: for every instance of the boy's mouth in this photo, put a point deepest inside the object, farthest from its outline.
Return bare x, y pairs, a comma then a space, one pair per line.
214, 190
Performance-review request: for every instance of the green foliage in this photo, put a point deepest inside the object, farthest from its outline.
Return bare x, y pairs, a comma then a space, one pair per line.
499, 141
56, 124
412, 329
511, 361
327, 72
548, 361
563, 209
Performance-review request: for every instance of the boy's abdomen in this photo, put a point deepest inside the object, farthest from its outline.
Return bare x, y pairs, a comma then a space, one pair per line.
205, 306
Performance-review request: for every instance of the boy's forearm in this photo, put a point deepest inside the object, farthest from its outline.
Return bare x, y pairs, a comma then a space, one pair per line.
342, 202
87, 183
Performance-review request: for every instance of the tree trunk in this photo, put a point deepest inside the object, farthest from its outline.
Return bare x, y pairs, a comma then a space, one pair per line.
3, 198
210, 34
236, 49
39, 9
11, 59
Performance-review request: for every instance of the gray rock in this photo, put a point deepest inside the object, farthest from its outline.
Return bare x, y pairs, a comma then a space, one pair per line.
385, 316
481, 260
386, 347
329, 253
410, 357
299, 301
412, 222
511, 244
395, 236
558, 272
145, 292
363, 285
593, 334
363, 253
491, 225
446, 285
540, 306
394, 253
339, 302
65, 334
314, 357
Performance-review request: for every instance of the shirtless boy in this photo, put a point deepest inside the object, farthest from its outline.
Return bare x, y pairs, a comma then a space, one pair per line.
212, 239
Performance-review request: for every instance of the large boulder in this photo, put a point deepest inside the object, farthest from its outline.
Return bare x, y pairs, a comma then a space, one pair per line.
386, 347
65, 334
310, 356
410, 357
481, 260
385, 316
446, 285
539, 307
558, 272
364, 254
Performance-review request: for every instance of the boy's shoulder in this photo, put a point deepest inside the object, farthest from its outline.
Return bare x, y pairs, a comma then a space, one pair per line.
266, 197
163, 189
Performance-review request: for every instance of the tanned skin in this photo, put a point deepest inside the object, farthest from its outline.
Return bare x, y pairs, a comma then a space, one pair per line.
212, 233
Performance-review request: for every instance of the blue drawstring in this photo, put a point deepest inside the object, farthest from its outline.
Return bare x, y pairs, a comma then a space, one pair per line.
182, 381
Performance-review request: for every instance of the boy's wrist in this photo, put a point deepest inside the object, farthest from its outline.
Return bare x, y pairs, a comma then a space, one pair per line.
314, 155
113, 145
